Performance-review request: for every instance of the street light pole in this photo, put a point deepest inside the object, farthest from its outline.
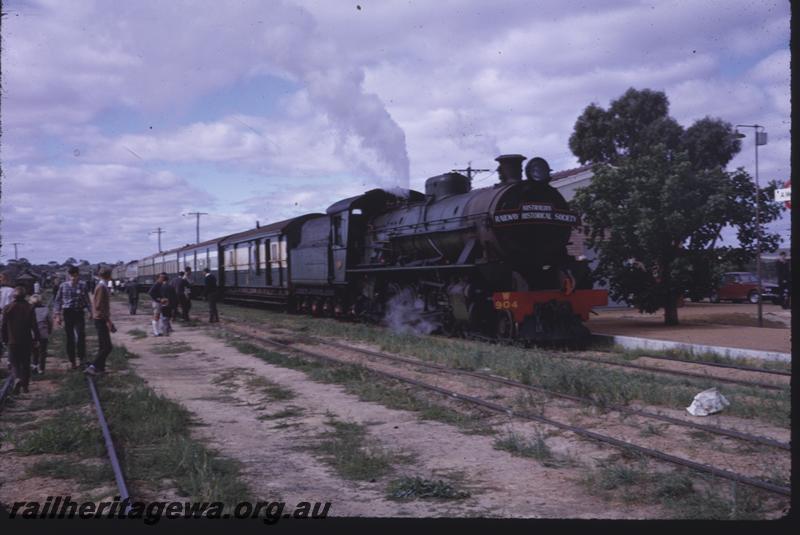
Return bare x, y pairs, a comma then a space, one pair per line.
761, 139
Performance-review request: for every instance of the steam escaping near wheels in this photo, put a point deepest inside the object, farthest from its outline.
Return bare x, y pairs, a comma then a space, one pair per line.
405, 314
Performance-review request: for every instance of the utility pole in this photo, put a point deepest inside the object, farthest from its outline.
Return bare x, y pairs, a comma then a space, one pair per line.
198, 214
16, 255
761, 139
159, 231
469, 171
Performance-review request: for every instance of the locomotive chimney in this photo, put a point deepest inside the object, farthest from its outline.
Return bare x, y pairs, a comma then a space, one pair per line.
510, 168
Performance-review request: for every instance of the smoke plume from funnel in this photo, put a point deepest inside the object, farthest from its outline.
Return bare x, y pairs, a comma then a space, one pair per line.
337, 88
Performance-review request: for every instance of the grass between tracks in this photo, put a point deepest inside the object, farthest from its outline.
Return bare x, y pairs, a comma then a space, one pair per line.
699, 357
359, 381
535, 366
152, 436
684, 495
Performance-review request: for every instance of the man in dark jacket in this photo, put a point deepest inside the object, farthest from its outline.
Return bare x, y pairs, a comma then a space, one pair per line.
186, 293
132, 290
20, 332
180, 285
211, 295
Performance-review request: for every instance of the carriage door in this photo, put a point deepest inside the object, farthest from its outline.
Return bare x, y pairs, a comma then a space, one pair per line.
265, 259
284, 262
338, 263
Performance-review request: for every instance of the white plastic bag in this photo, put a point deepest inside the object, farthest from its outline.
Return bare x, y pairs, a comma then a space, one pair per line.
707, 402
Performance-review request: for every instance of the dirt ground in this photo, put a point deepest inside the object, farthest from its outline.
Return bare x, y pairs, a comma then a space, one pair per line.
716, 324
277, 463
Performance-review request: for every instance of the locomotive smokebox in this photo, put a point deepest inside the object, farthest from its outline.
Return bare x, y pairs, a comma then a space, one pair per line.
510, 168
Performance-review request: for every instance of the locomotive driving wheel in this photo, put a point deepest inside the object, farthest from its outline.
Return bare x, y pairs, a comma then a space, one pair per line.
505, 326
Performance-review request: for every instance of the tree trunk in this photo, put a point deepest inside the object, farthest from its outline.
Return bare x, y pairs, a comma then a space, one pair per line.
671, 302
671, 311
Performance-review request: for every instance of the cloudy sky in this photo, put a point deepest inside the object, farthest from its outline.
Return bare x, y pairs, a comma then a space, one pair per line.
119, 117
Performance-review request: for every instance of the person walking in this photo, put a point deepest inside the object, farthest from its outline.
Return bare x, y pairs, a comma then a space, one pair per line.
186, 294
6, 298
178, 285
44, 322
211, 295
20, 333
156, 296
101, 304
132, 289
71, 299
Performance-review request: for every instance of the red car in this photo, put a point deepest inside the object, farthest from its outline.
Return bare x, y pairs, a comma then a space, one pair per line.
741, 286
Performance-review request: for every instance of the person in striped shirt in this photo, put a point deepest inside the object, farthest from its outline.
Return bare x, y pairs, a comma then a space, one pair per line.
72, 298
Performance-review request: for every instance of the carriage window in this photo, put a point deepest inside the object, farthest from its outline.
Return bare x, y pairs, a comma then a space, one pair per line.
242, 257
338, 234
274, 255
212, 259
284, 255
262, 254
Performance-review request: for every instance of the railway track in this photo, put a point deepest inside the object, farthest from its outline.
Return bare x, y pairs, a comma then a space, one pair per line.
124, 495
741, 382
640, 367
119, 477
732, 433
506, 410
756, 439
713, 364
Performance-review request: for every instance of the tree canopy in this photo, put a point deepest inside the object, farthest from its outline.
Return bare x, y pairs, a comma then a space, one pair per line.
660, 197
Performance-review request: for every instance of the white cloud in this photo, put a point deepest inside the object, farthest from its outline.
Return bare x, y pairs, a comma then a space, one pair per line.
456, 81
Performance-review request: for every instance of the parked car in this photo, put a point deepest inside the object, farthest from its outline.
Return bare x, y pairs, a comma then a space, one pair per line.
739, 286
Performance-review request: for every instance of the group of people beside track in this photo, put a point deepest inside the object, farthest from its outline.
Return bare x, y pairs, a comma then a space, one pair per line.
27, 324
172, 299
26, 321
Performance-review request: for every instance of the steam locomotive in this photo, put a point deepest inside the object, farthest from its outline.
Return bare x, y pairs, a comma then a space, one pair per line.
491, 261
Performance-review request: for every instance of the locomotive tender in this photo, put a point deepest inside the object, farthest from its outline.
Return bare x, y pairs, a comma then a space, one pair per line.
491, 261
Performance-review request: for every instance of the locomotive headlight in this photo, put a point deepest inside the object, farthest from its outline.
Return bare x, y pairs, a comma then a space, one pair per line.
538, 170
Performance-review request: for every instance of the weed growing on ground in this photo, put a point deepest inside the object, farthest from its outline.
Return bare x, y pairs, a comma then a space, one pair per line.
348, 449
684, 496
137, 334
415, 488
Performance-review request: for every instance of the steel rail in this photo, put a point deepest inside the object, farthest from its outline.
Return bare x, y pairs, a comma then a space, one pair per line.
713, 364
742, 382
620, 408
621, 444
112, 452
769, 386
